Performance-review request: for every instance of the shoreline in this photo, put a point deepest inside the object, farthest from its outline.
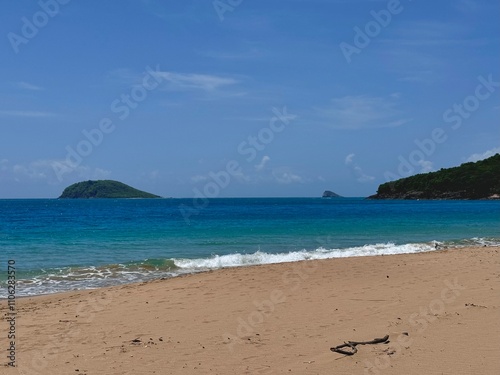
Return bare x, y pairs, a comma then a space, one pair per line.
276, 318
438, 246
222, 262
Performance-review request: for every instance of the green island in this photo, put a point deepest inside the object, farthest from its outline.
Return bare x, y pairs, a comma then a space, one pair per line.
479, 180
103, 189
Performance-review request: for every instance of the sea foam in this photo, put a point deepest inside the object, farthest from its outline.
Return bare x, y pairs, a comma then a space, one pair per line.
78, 278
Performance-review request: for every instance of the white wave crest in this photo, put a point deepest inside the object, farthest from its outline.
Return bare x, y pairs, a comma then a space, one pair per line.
238, 260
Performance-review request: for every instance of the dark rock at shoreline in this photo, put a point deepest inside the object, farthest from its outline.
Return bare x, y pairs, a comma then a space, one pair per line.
415, 195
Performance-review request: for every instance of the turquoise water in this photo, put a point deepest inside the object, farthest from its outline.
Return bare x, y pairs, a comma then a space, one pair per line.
75, 244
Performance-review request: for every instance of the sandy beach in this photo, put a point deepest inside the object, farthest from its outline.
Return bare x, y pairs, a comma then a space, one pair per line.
440, 310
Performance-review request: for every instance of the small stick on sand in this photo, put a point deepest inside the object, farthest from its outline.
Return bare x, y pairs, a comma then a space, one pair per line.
352, 345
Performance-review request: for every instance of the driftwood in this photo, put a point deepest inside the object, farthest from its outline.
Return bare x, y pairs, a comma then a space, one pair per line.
352, 345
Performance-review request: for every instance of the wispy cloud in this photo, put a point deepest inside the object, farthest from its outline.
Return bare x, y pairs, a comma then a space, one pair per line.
153, 175
123, 75
251, 53
174, 81
262, 164
483, 155
22, 113
466, 6
286, 176
193, 81
431, 33
27, 86
258, 174
42, 170
438, 42
4, 165
419, 51
198, 178
426, 166
161, 10
422, 76
361, 176
358, 112
349, 159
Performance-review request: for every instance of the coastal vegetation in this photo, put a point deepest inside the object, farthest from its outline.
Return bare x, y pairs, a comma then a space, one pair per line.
479, 180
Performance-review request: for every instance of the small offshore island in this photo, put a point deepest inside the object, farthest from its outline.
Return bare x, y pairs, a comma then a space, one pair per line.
479, 180
330, 194
103, 189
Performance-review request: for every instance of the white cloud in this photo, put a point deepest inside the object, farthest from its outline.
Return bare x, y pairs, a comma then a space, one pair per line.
431, 33
27, 86
361, 176
33, 171
246, 54
349, 159
124, 75
362, 111
466, 6
84, 172
484, 155
284, 176
198, 178
238, 176
4, 165
192, 81
26, 113
262, 164
419, 76
45, 170
174, 81
151, 175
241, 177
426, 166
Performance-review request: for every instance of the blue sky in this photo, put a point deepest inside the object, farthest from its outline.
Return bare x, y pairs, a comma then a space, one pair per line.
244, 98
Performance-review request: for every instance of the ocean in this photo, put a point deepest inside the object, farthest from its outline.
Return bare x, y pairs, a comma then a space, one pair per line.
61, 245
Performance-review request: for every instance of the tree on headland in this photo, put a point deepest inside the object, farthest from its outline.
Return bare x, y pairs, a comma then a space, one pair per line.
479, 180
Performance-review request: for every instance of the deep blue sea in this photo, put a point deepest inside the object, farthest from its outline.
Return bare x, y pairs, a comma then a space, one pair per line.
62, 245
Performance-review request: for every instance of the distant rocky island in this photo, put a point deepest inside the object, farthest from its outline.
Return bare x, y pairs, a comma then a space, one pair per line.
479, 180
103, 189
330, 194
